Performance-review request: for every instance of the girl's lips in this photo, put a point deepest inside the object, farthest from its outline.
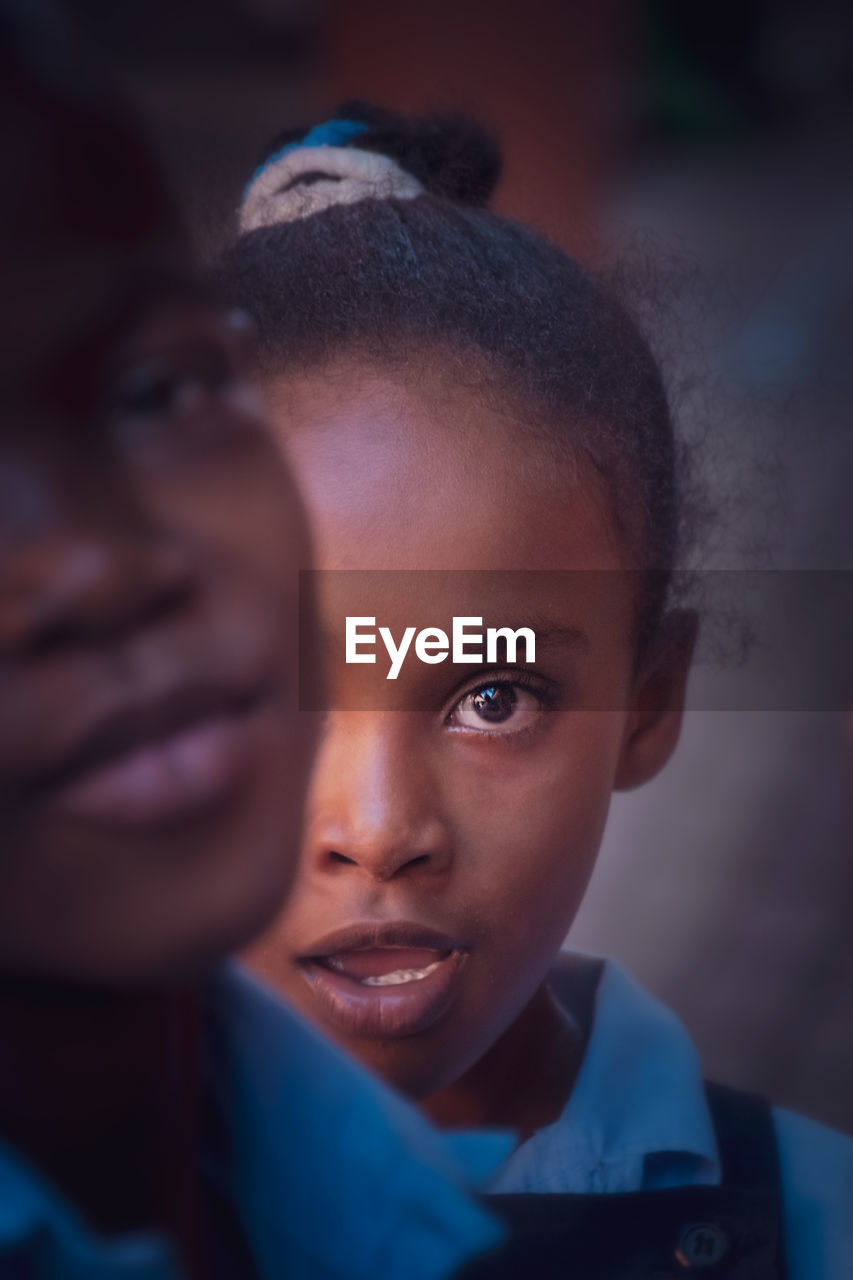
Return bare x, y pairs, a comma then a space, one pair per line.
382, 989
386, 966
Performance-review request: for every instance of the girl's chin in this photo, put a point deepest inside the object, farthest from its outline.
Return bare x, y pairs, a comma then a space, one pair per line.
418, 1068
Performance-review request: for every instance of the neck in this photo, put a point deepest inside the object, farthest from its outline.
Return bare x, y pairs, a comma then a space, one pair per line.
114, 1075
522, 1082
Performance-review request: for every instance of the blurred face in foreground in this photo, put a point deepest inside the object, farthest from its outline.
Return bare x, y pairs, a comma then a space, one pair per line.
152, 759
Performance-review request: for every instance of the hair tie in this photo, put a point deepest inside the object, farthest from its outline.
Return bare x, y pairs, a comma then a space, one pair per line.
317, 172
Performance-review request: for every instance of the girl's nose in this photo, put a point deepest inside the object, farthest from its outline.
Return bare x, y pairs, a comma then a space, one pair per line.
375, 806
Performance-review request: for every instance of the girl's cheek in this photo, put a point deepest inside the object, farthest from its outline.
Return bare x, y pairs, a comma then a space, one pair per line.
539, 818
565, 770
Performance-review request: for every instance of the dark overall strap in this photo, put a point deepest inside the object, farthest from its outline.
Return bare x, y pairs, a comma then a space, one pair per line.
746, 1137
729, 1232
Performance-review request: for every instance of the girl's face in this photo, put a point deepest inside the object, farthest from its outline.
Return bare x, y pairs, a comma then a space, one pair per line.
454, 818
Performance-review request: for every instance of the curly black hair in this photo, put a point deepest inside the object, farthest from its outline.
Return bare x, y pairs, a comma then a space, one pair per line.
382, 279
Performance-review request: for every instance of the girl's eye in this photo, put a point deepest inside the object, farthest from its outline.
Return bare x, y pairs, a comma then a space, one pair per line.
497, 709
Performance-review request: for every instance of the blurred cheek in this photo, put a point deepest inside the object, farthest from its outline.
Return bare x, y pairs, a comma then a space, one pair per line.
244, 506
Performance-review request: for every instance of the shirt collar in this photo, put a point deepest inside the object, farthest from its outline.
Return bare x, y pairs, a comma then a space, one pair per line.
637, 1118
316, 1140
35, 1219
334, 1176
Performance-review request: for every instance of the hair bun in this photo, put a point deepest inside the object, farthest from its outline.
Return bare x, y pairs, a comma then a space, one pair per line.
450, 155
367, 152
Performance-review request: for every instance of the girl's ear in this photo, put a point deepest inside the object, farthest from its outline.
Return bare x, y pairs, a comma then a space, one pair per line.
653, 725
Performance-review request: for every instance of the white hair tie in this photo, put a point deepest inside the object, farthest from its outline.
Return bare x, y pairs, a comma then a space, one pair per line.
281, 190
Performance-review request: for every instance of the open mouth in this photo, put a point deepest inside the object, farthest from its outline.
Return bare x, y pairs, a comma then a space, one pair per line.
384, 989
370, 965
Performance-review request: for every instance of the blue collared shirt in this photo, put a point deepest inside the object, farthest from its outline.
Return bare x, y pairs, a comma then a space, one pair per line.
333, 1177
637, 1120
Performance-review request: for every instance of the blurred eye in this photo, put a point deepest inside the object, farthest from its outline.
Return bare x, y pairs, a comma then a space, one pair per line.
498, 709
184, 403
159, 388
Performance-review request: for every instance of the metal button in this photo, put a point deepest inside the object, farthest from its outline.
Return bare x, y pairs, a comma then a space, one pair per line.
702, 1244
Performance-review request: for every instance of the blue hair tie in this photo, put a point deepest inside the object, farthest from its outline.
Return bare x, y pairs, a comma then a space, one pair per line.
332, 133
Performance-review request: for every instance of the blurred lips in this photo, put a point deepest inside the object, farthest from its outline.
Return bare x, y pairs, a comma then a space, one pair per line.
173, 756
384, 979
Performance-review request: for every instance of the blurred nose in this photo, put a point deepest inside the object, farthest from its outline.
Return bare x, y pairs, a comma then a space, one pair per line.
82, 572
374, 805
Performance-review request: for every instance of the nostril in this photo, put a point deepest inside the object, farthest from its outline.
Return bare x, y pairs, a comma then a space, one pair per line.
64, 624
420, 861
76, 590
340, 858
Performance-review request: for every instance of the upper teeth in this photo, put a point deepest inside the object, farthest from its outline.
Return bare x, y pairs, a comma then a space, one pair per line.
398, 976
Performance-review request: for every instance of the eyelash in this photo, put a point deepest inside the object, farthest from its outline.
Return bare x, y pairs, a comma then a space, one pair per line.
515, 678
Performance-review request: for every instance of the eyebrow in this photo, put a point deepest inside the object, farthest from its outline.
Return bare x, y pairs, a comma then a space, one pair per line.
550, 633
164, 289
81, 364
149, 294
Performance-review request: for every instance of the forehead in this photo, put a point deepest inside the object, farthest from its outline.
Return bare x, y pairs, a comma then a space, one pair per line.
84, 218
423, 474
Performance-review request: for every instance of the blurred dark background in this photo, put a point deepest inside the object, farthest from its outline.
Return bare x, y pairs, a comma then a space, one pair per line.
709, 147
